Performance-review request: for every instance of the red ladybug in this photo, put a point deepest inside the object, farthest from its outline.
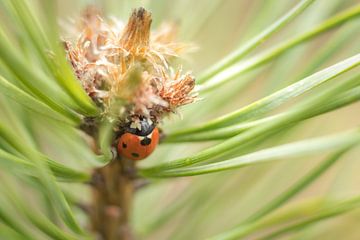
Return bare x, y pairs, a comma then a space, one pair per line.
138, 140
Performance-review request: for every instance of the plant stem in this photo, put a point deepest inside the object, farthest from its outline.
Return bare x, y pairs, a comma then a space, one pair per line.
113, 190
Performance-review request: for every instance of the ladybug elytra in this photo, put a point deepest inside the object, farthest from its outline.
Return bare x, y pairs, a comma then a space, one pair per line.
138, 140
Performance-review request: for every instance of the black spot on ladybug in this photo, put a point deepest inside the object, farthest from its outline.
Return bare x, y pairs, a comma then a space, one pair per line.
146, 141
124, 145
135, 155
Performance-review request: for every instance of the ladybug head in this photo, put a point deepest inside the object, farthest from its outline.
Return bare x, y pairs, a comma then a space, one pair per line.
138, 140
140, 127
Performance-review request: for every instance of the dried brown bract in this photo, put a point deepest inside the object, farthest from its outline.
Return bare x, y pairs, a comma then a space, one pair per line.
126, 69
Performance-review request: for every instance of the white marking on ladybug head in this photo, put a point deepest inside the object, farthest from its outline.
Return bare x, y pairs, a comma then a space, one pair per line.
149, 121
150, 135
135, 125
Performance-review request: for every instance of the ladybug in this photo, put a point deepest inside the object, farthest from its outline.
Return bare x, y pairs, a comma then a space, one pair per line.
139, 139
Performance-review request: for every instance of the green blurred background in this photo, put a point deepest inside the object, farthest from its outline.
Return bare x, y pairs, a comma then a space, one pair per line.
202, 206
